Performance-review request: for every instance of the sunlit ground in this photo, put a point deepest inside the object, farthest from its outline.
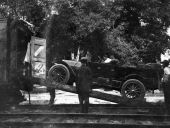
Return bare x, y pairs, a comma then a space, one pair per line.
62, 97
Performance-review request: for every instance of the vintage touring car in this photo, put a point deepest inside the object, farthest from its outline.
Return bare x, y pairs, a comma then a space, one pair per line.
131, 82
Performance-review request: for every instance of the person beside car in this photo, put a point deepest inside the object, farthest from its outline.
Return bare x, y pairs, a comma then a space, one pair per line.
51, 90
52, 95
166, 84
83, 85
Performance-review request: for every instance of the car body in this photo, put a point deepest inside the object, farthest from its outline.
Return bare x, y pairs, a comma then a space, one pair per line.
131, 81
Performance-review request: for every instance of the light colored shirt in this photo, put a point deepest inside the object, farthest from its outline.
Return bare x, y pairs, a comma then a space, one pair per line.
167, 71
108, 60
166, 77
88, 55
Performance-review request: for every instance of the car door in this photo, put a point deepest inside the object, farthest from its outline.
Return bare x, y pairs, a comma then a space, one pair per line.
102, 71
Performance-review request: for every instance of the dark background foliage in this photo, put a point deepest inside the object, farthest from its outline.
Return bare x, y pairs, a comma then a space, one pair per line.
131, 30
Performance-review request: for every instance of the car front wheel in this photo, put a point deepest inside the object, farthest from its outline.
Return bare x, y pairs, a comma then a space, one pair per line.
133, 89
59, 73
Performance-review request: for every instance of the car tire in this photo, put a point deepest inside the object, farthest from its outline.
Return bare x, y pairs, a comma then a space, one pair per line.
133, 89
59, 73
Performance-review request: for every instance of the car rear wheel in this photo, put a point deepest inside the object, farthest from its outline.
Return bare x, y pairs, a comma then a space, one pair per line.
133, 89
59, 73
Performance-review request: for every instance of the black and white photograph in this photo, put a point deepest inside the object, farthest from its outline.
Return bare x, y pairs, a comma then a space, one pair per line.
84, 63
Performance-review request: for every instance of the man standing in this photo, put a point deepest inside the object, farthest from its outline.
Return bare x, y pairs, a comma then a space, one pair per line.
83, 85
52, 95
166, 84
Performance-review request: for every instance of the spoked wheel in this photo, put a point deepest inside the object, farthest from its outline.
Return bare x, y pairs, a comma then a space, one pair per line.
133, 89
59, 74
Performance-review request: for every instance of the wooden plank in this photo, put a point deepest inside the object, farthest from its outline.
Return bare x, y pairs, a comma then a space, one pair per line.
94, 94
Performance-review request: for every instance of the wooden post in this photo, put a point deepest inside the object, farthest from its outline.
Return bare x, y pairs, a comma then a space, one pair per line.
29, 98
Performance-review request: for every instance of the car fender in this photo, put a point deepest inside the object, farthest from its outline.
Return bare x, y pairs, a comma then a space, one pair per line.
134, 76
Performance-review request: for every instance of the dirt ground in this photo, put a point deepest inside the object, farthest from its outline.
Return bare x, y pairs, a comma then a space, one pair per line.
40, 96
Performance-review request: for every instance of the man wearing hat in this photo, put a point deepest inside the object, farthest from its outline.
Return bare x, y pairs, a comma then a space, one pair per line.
83, 85
166, 84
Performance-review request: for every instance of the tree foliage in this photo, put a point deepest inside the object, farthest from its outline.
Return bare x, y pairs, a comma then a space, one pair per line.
131, 30
145, 24
89, 24
33, 11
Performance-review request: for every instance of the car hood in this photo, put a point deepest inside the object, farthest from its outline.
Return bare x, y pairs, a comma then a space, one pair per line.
73, 63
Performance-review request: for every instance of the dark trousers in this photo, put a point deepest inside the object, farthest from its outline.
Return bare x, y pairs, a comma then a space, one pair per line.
84, 102
52, 95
